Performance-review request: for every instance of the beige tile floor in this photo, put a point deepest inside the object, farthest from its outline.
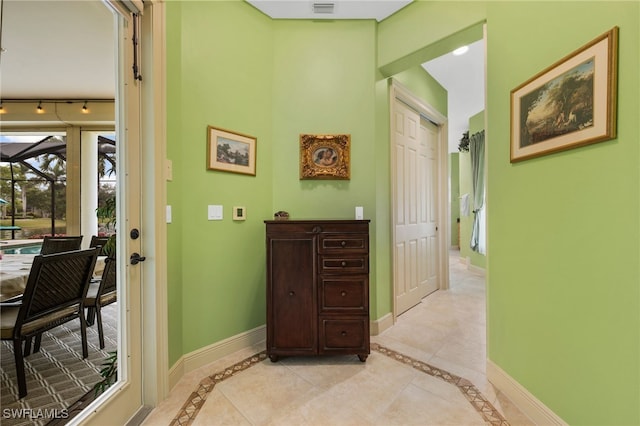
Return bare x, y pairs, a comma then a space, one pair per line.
443, 339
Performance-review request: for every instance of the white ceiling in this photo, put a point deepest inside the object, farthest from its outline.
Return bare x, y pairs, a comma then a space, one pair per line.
57, 49
342, 9
463, 77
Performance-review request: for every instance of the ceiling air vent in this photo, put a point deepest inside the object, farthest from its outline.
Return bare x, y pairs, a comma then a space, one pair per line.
323, 8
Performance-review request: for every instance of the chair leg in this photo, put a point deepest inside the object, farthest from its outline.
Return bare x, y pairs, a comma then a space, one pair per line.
100, 332
22, 380
91, 315
27, 346
36, 345
83, 333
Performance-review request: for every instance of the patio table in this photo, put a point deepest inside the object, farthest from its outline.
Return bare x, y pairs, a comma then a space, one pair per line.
14, 273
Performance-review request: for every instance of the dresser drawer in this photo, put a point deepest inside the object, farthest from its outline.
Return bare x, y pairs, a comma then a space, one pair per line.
337, 335
344, 294
344, 264
344, 243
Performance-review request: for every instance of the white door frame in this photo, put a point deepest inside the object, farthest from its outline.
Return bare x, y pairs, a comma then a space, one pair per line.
399, 92
141, 116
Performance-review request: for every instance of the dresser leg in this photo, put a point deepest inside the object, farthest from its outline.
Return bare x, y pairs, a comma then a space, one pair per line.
274, 358
363, 357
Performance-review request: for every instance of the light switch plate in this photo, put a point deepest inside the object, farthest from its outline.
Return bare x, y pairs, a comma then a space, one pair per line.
168, 214
239, 213
359, 213
214, 212
168, 170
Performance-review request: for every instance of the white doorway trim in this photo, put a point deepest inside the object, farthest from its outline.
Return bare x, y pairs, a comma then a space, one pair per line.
405, 96
142, 113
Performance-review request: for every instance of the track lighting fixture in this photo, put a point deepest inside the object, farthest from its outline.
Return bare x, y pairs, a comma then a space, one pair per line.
2, 111
39, 108
85, 109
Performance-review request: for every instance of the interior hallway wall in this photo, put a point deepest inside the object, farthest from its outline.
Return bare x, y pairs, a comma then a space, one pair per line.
564, 229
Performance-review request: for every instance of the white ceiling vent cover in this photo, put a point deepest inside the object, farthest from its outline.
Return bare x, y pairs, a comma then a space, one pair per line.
324, 8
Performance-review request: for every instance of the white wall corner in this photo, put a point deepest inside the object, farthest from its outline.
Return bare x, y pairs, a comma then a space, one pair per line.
378, 326
530, 406
176, 372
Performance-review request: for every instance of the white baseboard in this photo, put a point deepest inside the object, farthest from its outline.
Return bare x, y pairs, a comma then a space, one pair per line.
378, 326
530, 406
476, 269
214, 352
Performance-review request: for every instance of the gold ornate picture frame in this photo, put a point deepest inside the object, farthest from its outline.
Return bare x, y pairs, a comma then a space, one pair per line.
325, 157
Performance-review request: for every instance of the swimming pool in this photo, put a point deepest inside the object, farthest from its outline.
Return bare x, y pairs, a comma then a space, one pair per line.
26, 249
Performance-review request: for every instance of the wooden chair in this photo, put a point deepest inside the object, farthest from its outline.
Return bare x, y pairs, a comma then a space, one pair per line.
54, 294
101, 293
60, 244
99, 242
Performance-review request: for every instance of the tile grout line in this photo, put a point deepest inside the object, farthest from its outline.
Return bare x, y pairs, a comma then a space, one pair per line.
190, 409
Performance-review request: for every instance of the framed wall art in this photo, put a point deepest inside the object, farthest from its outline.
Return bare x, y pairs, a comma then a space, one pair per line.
570, 104
325, 156
230, 151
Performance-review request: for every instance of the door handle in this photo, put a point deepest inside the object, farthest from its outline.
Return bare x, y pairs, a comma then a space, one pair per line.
136, 258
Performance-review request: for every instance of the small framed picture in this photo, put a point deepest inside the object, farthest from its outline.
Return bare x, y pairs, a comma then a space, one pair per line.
570, 104
230, 151
325, 156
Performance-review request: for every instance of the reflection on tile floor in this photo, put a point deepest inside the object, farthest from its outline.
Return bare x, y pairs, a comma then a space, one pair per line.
429, 368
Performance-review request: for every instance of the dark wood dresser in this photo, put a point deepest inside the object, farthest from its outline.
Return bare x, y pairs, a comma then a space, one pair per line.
317, 287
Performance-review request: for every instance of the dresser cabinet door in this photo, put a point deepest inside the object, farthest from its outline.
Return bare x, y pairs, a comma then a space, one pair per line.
291, 296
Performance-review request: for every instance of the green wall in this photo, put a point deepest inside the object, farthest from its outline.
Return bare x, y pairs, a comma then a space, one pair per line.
563, 253
174, 193
324, 84
220, 74
422, 85
563, 268
476, 124
274, 80
426, 30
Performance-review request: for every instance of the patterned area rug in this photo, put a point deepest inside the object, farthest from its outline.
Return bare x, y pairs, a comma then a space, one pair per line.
57, 376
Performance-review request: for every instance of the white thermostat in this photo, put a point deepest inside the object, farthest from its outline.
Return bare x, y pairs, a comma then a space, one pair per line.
239, 213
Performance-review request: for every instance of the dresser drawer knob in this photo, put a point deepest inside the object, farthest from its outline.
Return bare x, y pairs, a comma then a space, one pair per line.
343, 243
343, 263
343, 293
292, 293
344, 333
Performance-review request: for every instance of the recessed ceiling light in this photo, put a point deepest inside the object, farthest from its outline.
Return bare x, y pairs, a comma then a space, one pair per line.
461, 50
